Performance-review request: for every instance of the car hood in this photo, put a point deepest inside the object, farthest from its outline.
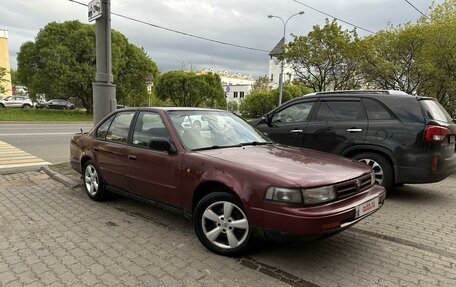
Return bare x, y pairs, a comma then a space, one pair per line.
306, 168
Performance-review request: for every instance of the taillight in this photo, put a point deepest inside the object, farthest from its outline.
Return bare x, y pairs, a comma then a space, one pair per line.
435, 133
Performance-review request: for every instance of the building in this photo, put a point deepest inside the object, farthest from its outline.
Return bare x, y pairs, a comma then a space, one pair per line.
236, 86
5, 63
275, 63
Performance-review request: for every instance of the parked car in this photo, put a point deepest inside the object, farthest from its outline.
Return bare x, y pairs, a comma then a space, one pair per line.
404, 138
234, 182
56, 104
16, 102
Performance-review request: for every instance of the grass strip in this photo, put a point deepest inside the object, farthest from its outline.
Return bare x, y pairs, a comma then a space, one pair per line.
10, 114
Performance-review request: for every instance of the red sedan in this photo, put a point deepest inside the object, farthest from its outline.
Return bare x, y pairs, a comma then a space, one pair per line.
228, 177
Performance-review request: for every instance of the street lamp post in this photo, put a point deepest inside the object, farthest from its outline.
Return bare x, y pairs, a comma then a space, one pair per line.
282, 64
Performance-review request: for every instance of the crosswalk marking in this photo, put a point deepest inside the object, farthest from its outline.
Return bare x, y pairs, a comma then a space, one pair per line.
12, 157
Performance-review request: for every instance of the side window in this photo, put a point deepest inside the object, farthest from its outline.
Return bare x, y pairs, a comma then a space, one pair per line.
340, 110
118, 131
102, 130
376, 110
148, 125
293, 114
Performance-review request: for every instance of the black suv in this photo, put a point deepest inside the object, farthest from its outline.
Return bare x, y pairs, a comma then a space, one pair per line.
404, 138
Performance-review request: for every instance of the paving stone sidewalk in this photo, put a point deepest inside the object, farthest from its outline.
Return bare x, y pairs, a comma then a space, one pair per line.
54, 235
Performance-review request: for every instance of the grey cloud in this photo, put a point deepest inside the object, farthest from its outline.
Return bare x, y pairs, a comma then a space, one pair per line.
242, 22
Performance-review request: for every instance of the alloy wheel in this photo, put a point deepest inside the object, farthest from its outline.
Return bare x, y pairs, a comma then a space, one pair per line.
91, 180
225, 225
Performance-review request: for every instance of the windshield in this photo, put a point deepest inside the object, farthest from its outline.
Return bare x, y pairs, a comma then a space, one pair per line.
434, 111
207, 129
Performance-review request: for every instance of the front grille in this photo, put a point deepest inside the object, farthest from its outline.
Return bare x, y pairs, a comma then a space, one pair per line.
352, 186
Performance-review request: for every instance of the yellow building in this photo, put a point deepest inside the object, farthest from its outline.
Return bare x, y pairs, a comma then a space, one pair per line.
5, 63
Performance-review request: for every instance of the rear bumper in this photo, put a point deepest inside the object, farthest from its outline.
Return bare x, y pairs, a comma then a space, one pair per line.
445, 167
308, 223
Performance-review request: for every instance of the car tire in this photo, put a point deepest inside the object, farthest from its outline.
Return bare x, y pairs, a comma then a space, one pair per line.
221, 224
382, 168
26, 106
93, 183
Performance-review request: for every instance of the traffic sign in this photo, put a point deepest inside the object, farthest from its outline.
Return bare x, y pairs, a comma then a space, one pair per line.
95, 10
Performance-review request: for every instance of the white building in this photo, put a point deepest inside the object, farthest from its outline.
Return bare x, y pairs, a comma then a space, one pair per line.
236, 86
274, 66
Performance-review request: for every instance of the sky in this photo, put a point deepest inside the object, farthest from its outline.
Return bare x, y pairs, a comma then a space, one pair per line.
240, 22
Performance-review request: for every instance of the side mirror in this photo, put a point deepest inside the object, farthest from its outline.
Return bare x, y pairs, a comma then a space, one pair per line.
267, 119
162, 144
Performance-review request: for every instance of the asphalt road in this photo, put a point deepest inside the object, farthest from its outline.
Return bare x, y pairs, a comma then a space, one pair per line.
48, 141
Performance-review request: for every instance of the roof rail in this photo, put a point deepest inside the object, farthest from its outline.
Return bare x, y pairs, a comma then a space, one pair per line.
373, 92
355, 92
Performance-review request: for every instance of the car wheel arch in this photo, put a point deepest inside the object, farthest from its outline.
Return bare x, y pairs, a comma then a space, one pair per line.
85, 159
381, 153
352, 151
207, 187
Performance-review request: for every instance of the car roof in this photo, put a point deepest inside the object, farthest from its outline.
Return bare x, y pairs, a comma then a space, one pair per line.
363, 93
168, 109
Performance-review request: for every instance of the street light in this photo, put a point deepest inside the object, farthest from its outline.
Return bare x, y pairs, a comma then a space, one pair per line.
281, 65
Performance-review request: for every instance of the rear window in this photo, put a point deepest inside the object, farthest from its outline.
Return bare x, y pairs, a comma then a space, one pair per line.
433, 110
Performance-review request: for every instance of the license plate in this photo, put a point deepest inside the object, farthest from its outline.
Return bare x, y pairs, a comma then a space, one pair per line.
367, 207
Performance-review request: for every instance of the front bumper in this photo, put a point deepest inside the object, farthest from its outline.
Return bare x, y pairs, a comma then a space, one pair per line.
292, 222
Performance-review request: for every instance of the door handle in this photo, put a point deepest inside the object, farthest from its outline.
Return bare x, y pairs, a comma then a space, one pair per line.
296, 131
354, 130
132, 157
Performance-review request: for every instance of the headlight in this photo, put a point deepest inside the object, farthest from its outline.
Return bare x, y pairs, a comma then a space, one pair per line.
306, 196
288, 195
319, 194
372, 178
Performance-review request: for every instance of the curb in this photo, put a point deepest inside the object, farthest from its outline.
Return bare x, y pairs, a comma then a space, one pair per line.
59, 177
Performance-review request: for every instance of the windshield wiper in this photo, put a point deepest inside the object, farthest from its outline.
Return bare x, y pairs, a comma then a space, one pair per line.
255, 143
216, 147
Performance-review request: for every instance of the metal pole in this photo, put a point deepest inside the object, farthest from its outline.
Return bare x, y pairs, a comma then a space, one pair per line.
281, 65
281, 77
104, 91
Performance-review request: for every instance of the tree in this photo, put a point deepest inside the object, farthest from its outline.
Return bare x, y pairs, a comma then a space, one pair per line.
439, 50
326, 58
61, 62
393, 59
2, 80
261, 84
257, 103
416, 58
187, 89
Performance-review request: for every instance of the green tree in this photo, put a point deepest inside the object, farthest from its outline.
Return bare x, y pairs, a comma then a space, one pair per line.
439, 51
2, 80
258, 103
187, 89
326, 58
262, 84
393, 60
416, 58
61, 62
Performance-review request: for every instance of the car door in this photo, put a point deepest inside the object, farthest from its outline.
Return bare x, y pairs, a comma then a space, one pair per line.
287, 124
152, 173
110, 148
337, 124
16, 102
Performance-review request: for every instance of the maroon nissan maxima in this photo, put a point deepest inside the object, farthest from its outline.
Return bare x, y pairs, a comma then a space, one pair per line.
215, 168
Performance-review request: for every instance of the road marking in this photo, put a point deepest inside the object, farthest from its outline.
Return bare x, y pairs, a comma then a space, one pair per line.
38, 134
12, 157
